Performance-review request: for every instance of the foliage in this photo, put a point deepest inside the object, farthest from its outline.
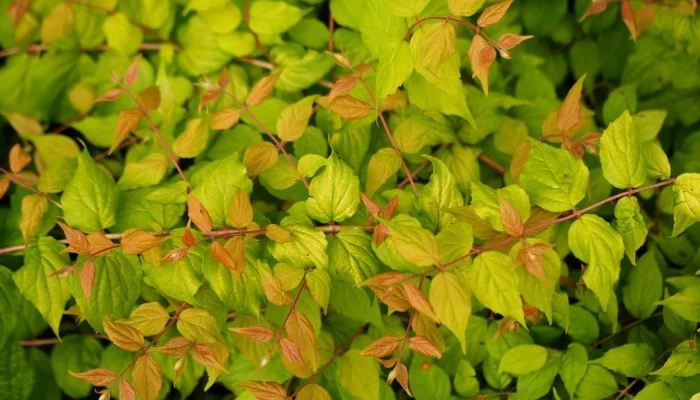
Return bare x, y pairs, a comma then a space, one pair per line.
351, 199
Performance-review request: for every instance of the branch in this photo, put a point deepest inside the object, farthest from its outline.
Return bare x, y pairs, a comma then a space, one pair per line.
538, 227
623, 329
491, 163
14, 178
258, 42
54, 340
155, 130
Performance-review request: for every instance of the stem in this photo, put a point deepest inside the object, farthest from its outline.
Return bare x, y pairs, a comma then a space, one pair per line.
13, 177
269, 134
155, 340
331, 30
157, 132
38, 48
536, 228
476, 28
625, 328
340, 350
278, 334
491, 163
52, 341
410, 324
494, 394
258, 42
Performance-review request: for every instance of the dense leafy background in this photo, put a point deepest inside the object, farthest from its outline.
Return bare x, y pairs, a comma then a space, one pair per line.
527, 257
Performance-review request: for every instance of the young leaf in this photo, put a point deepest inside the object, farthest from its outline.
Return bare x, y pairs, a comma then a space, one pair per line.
205, 356
382, 347
198, 326
260, 157
87, 278
621, 154
123, 335
149, 318
347, 107
265, 390
198, 214
224, 119
175, 347
334, 193
260, 334
495, 286
569, 114
34, 208
18, 158
630, 224
127, 122
294, 119
193, 140
96, 377
424, 346
494, 13
450, 297
147, 377
136, 241
382, 166
262, 89
482, 55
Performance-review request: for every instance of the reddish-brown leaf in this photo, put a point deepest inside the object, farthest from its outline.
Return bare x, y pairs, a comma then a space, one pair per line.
257, 333
400, 373
110, 95
100, 244
77, 240
175, 347
494, 13
224, 78
64, 272
208, 97
291, 352
481, 55
262, 90
149, 98
509, 41
127, 122
175, 255
136, 241
530, 256
125, 336
188, 238
569, 114
225, 118
95, 377
148, 377
18, 158
382, 347
510, 217
347, 106
343, 85
4, 185
418, 300
220, 254
644, 17
628, 18
596, 7
373, 208
204, 355
393, 296
87, 279
133, 71
424, 346
265, 390
384, 279
273, 290
198, 214
591, 142
126, 390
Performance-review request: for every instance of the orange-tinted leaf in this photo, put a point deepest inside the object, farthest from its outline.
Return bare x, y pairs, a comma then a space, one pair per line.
373, 208
218, 251
64, 272
175, 255
494, 13
273, 290
510, 217
400, 373
262, 90
278, 234
204, 355
125, 336
343, 85
224, 78
77, 240
18, 158
127, 122
198, 214
509, 41
241, 212
236, 248
574, 147
301, 331
4, 185
100, 244
225, 118
418, 300
347, 106
87, 279
96, 377
136, 241
175, 347
188, 237
148, 377
382, 347
126, 390
424, 346
481, 55
133, 71
628, 18
393, 296
260, 157
519, 159
530, 256
591, 142
265, 390
384, 279
596, 7
110, 95
291, 352
208, 97
258, 333
644, 17
569, 114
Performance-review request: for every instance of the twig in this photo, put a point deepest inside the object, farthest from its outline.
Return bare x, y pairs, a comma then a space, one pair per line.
54, 340
340, 350
624, 328
491, 163
19, 181
494, 394
258, 42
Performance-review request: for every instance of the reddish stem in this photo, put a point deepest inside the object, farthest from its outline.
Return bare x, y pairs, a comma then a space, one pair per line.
19, 181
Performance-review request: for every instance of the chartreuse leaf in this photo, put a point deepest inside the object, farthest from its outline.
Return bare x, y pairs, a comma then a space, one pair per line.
415, 244
216, 183
633, 359
17, 377
684, 362
428, 382
450, 297
466, 8
407, 8
438, 195
393, 70
656, 161
350, 256
656, 390
685, 303
77, 354
122, 35
537, 292
47, 294
686, 209
485, 203
553, 178
573, 367
630, 224
597, 383
596, 243
621, 154
382, 166
644, 287
273, 17
496, 286
8, 298
308, 249
90, 198
358, 376
523, 359
334, 193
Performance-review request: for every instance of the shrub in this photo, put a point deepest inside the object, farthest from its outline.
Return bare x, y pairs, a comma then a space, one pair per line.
352, 199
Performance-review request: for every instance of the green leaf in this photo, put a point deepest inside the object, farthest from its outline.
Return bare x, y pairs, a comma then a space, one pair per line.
630, 224
633, 359
350, 256
684, 362
429, 382
538, 383
415, 244
420, 130
320, 287
76, 354
656, 161
685, 303
583, 327
523, 359
17, 377
308, 249
553, 178
496, 286
596, 243
273, 17
193, 140
216, 183
573, 367
148, 171
621, 154
597, 383
649, 123
394, 68
122, 35
485, 203
382, 166
90, 198
407, 8
465, 381
657, 390
455, 241
644, 287
119, 276
466, 8
686, 209
358, 375
450, 297
438, 195
198, 326
334, 193
8, 298
295, 119
48, 294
